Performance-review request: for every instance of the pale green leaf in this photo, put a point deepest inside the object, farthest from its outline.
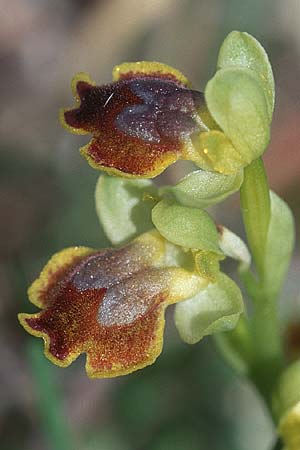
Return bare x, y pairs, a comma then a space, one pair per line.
123, 208
243, 50
200, 189
184, 226
214, 309
237, 102
279, 245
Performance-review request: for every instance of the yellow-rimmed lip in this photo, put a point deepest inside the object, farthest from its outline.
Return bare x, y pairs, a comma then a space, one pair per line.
140, 124
108, 304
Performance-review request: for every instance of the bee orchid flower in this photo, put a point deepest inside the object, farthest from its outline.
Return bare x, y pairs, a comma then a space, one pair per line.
141, 123
108, 304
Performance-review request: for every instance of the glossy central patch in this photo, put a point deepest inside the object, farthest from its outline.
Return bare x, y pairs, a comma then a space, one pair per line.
167, 111
140, 123
108, 304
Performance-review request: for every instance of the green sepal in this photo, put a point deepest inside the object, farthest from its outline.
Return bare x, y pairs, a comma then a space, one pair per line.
237, 102
124, 207
279, 245
200, 189
214, 309
243, 50
186, 227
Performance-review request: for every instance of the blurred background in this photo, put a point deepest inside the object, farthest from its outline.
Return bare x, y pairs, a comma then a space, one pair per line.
188, 400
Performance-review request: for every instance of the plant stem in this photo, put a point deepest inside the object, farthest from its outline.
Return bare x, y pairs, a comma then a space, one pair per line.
267, 347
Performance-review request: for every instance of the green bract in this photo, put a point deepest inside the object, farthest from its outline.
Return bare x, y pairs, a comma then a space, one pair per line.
200, 189
237, 102
279, 245
122, 207
186, 227
243, 50
216, 308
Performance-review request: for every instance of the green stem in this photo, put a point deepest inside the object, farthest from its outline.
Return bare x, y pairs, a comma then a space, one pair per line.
49, 404
267, 349
267, 346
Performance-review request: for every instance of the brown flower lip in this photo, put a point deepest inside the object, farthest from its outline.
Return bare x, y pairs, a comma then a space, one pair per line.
147, 109
140, 123
108, 304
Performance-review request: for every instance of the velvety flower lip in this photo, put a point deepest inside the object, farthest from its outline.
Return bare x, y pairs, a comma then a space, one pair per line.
108, 304
140, 123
